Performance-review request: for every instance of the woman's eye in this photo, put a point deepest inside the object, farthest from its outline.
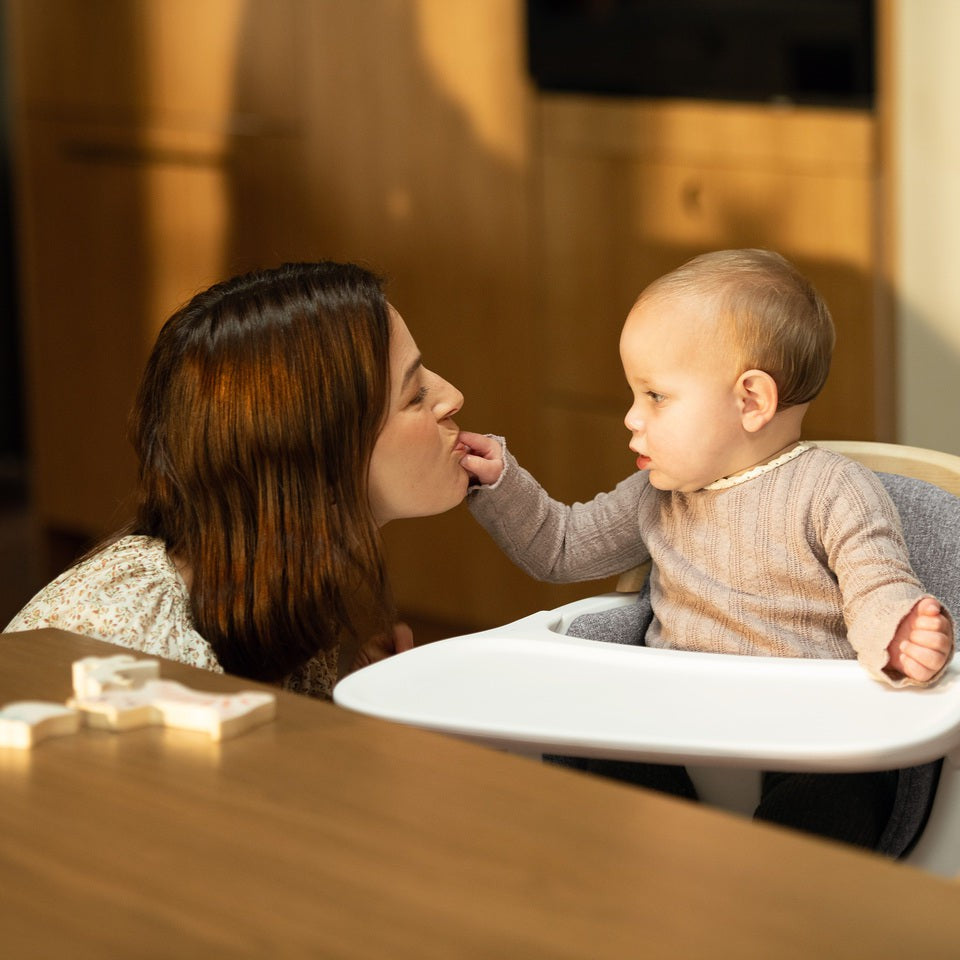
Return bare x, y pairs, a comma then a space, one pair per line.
419, 397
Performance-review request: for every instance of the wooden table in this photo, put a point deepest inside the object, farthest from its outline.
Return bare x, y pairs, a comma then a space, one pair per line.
329, 834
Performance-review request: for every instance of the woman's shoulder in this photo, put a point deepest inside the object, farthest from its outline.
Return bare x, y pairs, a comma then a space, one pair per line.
128, 593
317, 677
121, 572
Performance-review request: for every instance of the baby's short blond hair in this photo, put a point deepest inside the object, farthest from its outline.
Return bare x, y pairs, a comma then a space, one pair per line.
767, 313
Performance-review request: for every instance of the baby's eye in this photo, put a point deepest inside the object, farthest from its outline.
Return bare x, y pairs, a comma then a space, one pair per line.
419, 397
656, 397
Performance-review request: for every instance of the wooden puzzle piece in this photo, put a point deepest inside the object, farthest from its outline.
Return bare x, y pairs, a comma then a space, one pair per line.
171, 704
93, 675
27, 722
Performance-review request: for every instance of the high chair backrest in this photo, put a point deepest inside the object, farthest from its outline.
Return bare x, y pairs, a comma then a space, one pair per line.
932, 466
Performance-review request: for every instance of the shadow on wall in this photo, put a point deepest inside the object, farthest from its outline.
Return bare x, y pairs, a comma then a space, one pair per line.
412, 156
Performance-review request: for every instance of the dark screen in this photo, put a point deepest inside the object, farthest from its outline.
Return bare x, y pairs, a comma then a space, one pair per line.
800, 51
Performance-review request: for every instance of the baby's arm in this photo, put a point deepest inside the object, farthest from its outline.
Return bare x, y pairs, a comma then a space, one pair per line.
484, 460
923, 641
884, 603
546, 538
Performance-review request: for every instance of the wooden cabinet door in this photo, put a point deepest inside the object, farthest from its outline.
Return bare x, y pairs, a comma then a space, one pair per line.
137, 124
183, 63
117, 233
629, 194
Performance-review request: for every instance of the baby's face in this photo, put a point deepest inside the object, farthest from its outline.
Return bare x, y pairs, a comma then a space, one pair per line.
685, 420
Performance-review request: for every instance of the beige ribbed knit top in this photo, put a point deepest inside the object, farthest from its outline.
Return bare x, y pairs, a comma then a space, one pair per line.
804, 560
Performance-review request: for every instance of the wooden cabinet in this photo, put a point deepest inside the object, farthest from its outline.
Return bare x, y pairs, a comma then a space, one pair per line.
132, 134
631, 189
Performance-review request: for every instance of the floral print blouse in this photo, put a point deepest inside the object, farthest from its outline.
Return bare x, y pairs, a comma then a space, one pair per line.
131, 594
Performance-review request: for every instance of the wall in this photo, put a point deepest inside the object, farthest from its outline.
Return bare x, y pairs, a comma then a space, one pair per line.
926, 144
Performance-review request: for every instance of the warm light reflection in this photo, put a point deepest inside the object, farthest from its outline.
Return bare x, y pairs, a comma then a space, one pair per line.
187, 226
466, 56
190, 66
190, 53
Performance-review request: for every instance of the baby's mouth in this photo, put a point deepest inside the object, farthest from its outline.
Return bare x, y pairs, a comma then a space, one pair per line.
643, 462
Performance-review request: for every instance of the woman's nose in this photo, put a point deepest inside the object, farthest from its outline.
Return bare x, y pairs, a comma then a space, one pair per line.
449, 399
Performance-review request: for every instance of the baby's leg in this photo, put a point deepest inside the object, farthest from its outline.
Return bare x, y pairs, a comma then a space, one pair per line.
654, 776
851, 807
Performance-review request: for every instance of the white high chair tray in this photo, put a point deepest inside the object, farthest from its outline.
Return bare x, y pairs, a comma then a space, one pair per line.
527, 688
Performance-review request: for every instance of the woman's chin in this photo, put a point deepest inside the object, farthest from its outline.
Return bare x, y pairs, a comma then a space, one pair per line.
461, 488
459, 492
450, 498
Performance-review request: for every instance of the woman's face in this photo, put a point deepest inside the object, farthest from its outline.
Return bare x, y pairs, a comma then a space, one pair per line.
415, 468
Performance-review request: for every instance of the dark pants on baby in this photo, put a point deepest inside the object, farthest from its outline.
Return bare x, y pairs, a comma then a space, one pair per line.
851, 807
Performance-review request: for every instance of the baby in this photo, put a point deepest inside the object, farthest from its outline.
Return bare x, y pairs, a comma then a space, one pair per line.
760, 544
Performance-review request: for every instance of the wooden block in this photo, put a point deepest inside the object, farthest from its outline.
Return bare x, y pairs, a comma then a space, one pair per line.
93, 675
25, 723
170, 704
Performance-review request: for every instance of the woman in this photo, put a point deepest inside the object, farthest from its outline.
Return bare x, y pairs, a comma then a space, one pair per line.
283, 417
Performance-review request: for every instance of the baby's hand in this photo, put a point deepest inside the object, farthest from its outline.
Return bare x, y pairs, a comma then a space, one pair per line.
923, 641
484, 460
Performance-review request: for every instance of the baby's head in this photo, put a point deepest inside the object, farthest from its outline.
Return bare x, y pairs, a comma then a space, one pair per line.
758, 312
723, 355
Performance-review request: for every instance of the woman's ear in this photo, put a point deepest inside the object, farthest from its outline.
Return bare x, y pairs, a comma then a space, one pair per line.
757, 396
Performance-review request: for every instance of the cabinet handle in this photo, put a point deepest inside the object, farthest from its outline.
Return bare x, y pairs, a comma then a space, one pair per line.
132, 154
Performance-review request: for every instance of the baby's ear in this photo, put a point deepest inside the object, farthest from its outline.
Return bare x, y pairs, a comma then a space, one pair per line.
758, 397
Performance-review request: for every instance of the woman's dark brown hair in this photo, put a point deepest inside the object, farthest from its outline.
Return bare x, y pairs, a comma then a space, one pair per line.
254, 426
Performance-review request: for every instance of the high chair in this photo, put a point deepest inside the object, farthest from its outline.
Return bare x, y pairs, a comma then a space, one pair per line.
574, 681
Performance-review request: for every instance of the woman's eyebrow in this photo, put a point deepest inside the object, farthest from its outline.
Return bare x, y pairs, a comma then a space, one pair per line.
411, 370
